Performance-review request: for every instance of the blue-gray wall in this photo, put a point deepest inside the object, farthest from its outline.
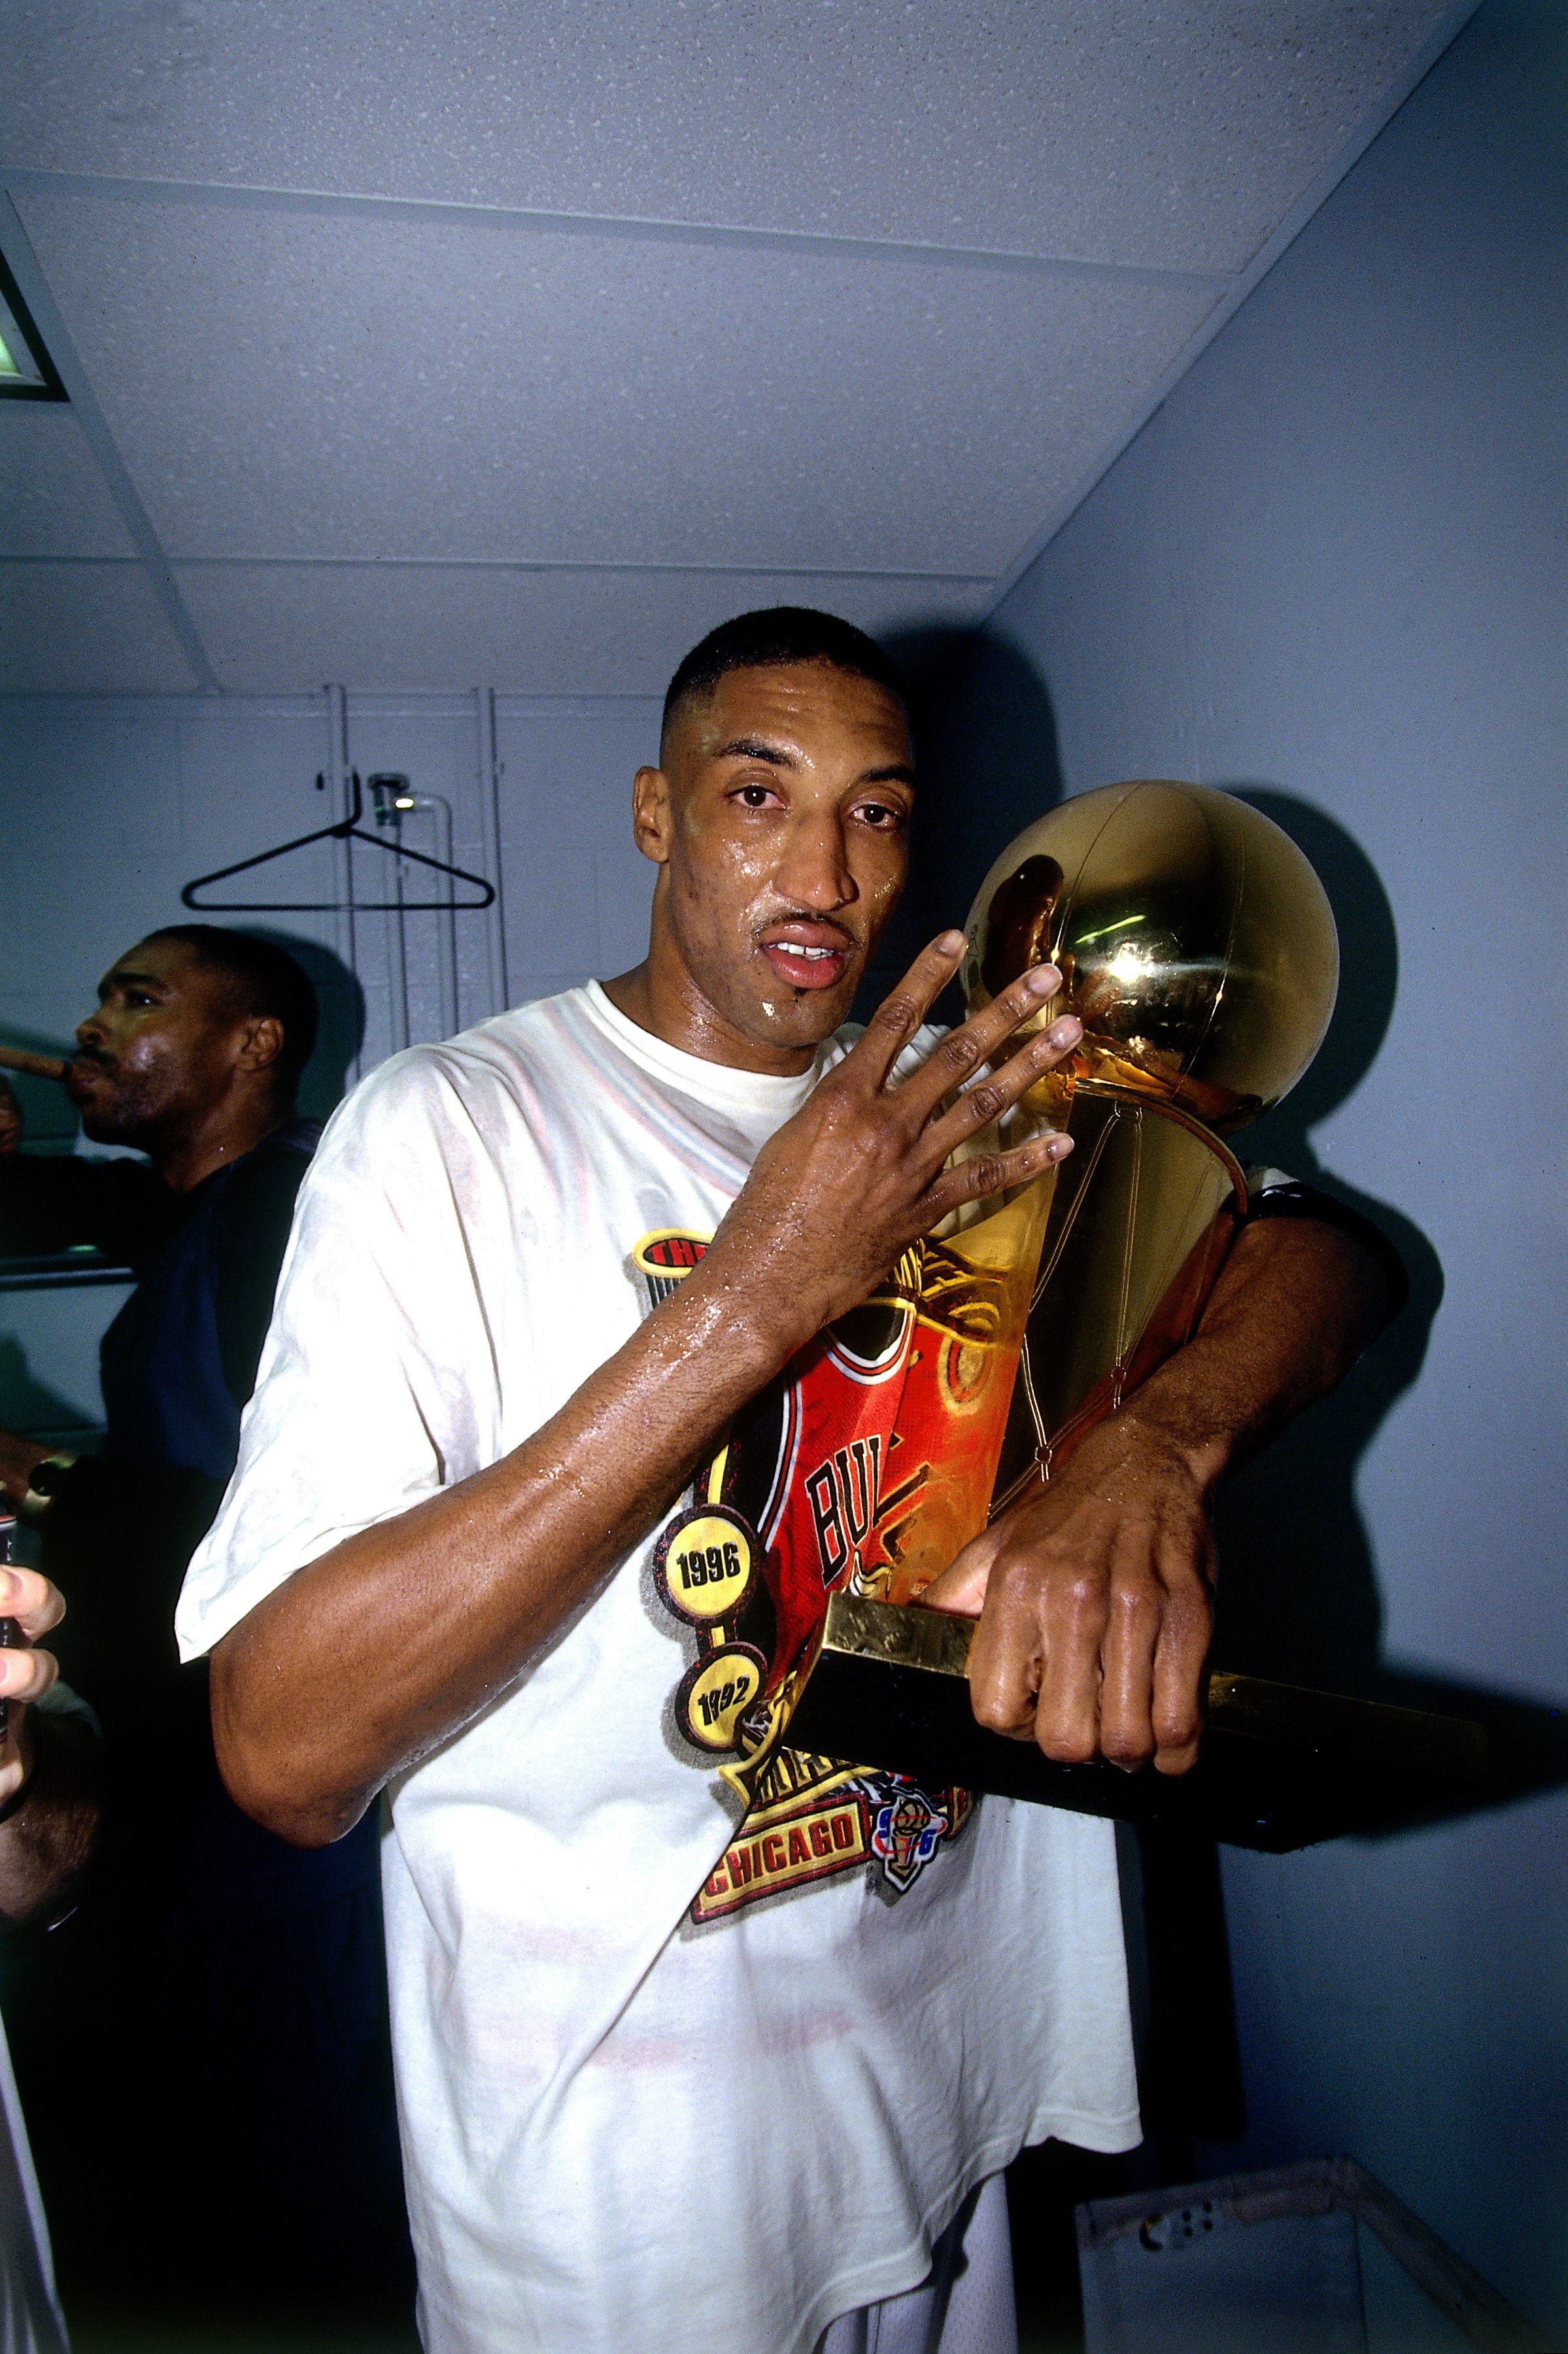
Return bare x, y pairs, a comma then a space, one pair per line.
1330, 571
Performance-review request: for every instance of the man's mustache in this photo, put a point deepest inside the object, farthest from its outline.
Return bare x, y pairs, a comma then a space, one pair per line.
95, 1056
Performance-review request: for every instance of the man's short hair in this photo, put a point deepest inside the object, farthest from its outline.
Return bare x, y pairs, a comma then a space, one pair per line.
776, 634
264, 978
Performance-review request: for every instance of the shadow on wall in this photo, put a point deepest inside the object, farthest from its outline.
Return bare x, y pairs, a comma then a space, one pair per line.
325, 1078
986, 741
27, 1405
1299, 1595
989, 762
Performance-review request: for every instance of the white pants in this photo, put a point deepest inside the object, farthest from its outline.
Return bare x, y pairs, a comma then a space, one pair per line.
965, 2306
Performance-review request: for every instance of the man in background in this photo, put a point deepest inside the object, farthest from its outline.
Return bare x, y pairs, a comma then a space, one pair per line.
237, 2059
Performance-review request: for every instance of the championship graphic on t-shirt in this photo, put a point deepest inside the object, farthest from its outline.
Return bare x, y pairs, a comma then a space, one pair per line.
867, 1464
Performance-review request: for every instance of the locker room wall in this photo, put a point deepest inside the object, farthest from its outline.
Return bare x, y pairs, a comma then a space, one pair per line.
1330, 574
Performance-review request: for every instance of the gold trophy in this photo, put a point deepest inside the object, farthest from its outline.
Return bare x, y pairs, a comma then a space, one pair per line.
1198, 949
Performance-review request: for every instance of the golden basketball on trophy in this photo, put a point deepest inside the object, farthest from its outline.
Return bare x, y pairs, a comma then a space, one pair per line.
1197, 947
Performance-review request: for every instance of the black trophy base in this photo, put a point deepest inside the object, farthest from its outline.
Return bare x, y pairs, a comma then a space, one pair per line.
1278, 1767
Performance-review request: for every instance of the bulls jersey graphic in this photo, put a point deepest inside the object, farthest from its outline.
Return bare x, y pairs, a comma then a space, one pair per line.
867, 1464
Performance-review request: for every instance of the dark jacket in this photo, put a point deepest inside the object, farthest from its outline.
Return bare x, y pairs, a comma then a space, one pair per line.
177, 1367
226, 2057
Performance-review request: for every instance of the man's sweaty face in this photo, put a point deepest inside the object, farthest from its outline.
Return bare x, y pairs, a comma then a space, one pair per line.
154, 1050
790, 795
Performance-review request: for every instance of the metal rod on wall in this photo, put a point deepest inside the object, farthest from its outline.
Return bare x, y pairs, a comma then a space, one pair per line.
440, 810
490, 773
397, 947
392, 791
337, 773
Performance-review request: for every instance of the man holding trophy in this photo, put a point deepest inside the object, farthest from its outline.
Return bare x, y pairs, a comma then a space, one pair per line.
571, 1421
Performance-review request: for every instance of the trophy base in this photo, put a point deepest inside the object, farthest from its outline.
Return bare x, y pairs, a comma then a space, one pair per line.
1278, 1767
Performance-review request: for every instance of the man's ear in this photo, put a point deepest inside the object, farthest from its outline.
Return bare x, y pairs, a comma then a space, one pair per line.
652, 817
261, 1042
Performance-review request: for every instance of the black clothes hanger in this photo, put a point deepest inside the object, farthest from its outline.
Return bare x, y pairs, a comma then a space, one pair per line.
347, 829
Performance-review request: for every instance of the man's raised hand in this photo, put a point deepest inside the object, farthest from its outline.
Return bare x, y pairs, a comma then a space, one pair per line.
860, 1170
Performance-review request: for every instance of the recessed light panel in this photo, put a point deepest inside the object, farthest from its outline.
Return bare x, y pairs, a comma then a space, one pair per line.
27, 371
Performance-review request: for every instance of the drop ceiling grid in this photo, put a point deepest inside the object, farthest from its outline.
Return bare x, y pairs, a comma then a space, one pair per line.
958, 403
440, 392
588, 633
1163, 135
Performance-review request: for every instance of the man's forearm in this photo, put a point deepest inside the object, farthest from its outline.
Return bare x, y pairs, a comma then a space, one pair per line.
371, 1656
1296, 1302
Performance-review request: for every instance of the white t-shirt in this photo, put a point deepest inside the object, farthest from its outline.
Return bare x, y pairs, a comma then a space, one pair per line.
659, 2085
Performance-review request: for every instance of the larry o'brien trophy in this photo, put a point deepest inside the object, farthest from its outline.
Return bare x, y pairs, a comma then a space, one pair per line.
1197, 947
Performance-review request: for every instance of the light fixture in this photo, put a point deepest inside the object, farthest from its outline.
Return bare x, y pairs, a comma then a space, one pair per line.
392, 793
27, 371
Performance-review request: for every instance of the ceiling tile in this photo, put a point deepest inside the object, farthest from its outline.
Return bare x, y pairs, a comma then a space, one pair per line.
53, 498
1155, 133
271, 628
284, 384
86, 629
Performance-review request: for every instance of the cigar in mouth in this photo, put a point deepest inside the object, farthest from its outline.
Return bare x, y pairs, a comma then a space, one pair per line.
37, 1066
